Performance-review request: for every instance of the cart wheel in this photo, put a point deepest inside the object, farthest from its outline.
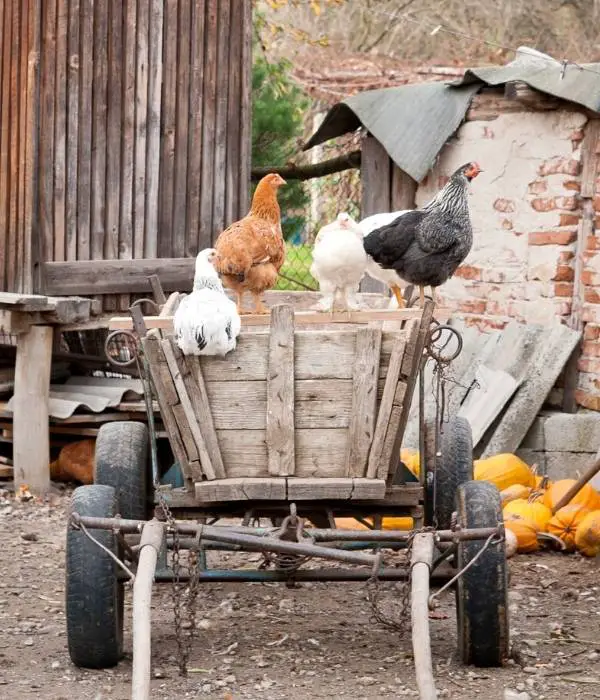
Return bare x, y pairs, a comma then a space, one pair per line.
94, 595
122, 462
453, 468
481, 592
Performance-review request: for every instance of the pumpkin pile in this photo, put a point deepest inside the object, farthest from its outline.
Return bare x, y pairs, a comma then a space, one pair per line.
528, 500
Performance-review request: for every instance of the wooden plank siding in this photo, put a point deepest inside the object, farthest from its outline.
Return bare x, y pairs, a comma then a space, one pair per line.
125, 132
20, 102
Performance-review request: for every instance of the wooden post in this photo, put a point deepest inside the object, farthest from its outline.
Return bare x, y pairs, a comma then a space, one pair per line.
384, 188
591, 167
375, 198
31, 443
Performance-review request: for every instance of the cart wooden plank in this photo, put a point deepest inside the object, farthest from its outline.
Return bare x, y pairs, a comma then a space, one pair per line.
192, 423
364, 400
335, 489
376, 466
301, 318
241, 489
194, 382
280, 393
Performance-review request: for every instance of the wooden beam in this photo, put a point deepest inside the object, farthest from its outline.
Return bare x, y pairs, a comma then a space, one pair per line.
375, 176
280, 393
291, 171
300, 318
591, 167
364, 400
31, 444
533, 99
377, 466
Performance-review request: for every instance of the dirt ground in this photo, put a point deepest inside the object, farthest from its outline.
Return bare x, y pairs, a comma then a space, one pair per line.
270, 642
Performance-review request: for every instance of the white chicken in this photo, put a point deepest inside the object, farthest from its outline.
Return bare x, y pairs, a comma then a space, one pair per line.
206, 321
388, 277
339, 263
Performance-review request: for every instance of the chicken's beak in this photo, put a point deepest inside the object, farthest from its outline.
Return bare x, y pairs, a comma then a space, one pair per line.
281, 181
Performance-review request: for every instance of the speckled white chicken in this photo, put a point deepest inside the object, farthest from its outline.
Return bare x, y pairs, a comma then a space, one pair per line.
206, 321
339, 263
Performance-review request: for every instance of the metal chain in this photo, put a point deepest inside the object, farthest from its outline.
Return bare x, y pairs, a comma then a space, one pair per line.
183, 641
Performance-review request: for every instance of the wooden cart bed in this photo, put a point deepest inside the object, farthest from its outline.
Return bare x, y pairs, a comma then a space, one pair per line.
294, 413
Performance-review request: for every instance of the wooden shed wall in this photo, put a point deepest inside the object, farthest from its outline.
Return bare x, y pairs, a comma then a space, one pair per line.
142, 150
19, 27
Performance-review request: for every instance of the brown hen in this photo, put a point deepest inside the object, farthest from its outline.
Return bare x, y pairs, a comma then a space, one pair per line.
250, 252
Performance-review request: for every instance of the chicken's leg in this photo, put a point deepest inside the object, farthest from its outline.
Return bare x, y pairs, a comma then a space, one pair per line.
422, 296
259, 307
238, 301
398, 294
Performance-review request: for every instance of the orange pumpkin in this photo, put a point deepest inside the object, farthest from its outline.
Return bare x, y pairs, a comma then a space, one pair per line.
526, 534
587, 535
514, 492
564, 523
534, 512
587, 496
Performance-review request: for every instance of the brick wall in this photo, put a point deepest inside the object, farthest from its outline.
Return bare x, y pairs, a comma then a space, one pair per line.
525, 209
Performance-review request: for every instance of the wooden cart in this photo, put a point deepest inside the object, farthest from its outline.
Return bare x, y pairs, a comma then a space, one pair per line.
302, 422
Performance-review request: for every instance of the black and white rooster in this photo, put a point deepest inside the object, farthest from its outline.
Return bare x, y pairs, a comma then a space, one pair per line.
206, 321
424, 246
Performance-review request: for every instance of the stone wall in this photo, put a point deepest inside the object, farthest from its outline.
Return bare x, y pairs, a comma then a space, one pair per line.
525, 209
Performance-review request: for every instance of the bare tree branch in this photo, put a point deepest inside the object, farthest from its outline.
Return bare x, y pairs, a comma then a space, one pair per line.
291, 171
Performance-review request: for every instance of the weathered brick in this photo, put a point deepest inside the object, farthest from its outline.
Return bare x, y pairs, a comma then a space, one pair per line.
565, 166
468, 272
596, 202
563, 289
574, 185
498, 308
563, 273
591, 332
537, 187
591, 295
589, 364
485, 323
544, 204
471, 306
565, 256
552, 237
504, 205
591, 314
590, 278
588, 400
568, 219
590, 348
592, 243
570, 203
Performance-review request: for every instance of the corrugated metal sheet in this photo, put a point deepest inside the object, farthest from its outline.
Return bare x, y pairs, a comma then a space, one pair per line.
580, 85
413, 122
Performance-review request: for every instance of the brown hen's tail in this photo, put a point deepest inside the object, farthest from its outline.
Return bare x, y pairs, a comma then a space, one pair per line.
233, 263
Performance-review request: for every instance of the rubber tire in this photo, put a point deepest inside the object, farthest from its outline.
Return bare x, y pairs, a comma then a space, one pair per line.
122, 462
482, 591
453, 468
94, 595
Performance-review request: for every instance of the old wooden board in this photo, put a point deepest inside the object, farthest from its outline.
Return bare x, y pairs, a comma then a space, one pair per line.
241, 489
280, 392
335, 489
364, 400
290, 488
184, 398
300, 317
377, 465
489, 395
319, 452
551, 350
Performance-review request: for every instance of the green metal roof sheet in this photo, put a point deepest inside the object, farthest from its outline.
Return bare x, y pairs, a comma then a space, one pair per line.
413, 122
